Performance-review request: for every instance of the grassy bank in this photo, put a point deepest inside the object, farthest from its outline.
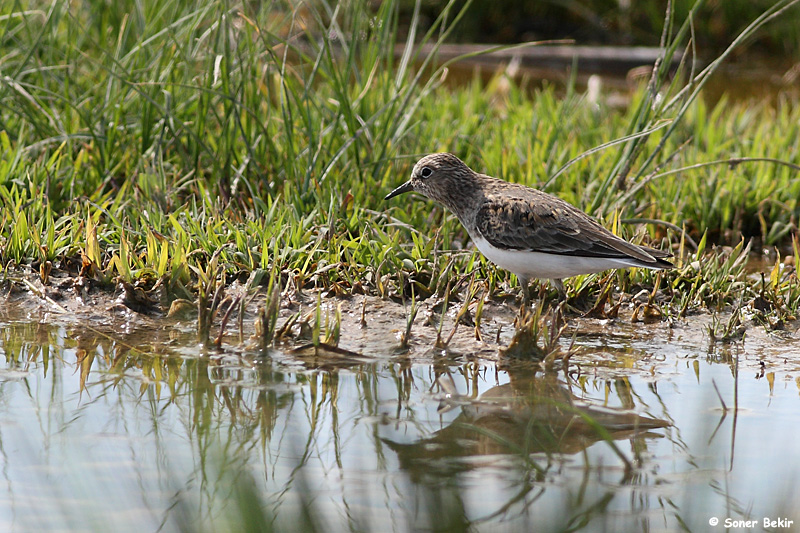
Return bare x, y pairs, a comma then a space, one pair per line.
186, 142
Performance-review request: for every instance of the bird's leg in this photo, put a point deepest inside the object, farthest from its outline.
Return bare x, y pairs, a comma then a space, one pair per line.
526, 293
562, 292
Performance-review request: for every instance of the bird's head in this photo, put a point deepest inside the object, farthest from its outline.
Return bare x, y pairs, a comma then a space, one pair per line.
440, 177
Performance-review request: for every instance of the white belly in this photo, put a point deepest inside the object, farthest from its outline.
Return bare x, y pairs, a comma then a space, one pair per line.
529, 265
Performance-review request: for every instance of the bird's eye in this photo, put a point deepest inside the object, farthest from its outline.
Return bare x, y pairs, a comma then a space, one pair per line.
425, 172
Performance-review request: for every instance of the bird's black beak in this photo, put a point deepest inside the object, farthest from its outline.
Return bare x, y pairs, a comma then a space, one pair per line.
400, 190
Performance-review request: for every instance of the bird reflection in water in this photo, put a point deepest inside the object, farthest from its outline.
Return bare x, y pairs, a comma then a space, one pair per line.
533, 415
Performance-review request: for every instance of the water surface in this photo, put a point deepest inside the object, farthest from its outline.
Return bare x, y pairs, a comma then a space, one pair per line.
149, 431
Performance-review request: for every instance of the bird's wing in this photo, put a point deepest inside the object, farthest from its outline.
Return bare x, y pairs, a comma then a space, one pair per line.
539, 222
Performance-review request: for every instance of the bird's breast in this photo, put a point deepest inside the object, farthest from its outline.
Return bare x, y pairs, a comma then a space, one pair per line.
531, 264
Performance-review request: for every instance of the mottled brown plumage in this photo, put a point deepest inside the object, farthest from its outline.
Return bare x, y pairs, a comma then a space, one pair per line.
521, 229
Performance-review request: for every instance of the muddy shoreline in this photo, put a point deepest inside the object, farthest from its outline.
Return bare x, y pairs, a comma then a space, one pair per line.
372, 328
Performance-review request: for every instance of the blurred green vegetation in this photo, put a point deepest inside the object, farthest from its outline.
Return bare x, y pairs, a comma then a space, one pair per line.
619, 22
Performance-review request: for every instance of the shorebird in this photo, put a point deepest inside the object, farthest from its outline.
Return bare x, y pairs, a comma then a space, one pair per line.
523, 230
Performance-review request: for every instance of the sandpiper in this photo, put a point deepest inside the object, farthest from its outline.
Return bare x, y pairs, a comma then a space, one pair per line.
525, 231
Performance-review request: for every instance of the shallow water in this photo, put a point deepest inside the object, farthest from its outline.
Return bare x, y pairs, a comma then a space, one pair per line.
131, 431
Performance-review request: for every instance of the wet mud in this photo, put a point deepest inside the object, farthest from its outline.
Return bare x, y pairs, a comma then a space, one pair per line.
372, 328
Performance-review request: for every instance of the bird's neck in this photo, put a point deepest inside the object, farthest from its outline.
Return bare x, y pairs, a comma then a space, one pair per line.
462, 197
